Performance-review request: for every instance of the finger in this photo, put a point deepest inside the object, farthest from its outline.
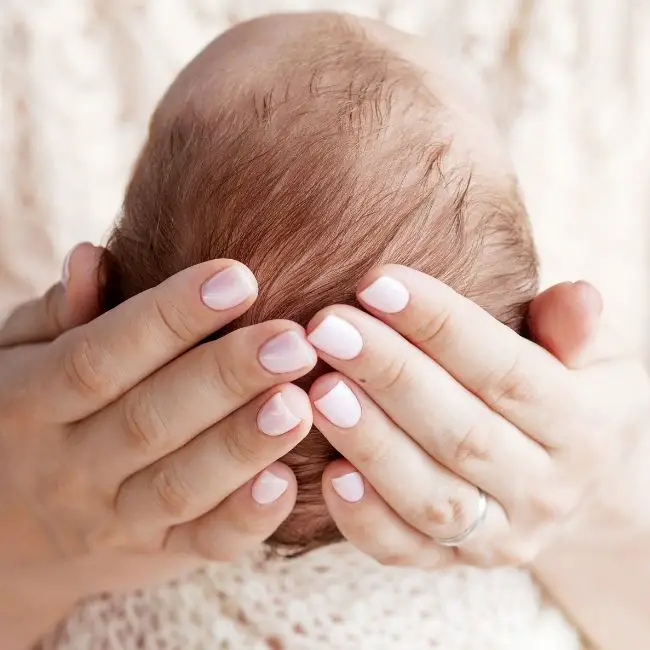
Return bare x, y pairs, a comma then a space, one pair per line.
406, 396
203, 473
427, 495
242, 522
563, 318
513, 376
566, 321
203, 387
368, 522
93, 365
420, 396
83, 284
64, 306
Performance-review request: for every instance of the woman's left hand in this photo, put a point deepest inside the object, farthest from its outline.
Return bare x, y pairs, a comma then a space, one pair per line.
441, 404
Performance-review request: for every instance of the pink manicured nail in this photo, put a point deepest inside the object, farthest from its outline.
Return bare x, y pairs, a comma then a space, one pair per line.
349, 487
386, 294
275, 418
337, 337
227, 289
340, 406
287, 352
268, 488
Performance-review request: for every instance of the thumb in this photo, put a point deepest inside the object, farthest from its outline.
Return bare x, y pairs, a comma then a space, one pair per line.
565, 320
71, 302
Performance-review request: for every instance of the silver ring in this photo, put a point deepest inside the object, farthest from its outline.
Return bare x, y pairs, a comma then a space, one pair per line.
457, 540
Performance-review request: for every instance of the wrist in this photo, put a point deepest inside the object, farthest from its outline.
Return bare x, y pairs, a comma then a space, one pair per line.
605, 592
599, 571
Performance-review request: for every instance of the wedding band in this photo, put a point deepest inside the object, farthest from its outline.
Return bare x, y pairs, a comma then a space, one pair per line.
457, 540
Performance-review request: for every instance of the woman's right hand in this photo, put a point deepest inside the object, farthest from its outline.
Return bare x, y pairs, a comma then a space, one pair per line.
127, 455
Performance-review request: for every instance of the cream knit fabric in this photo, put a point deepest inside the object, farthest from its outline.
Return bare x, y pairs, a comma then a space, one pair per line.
331, 599
570, 84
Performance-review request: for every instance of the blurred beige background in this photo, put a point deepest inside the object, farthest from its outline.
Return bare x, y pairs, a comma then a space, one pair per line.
569, 81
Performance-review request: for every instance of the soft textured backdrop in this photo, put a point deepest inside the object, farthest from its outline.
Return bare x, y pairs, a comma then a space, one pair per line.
569, 80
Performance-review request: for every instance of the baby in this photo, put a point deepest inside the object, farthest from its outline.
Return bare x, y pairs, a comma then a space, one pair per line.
312, 148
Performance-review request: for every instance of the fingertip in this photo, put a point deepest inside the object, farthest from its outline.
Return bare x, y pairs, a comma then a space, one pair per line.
323, 385
298, 403
564, 318
227, 284
380, 271
226, 262
590, 297
284, 410
278, 468
338, 311
337, 468
80, 259
343, 484
81, 283
276, 485
580, 298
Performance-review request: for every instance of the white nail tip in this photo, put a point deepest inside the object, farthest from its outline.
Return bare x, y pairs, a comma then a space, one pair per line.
275, 418
386, 294
337, 337
349, 487
268, 488
340, 406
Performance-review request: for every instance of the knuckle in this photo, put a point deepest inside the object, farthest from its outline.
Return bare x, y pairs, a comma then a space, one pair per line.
373, 451
254, 525
82, 366
391, 377
172, 493
229, 377
206, 544
242, 448
174, 319
242, 531
512, 386
435, 328
472, 445
143, 427
443, 513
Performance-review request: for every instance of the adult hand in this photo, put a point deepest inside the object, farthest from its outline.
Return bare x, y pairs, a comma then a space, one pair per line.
440, 403
127, 454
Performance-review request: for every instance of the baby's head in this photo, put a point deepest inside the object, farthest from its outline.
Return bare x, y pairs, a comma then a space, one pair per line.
312, 148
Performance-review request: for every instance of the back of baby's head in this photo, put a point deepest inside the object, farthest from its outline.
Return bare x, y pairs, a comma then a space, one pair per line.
336, 157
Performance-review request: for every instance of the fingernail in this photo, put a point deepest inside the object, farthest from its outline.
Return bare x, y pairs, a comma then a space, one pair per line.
275, 417
340, 406
227, 289
287, 352
337, 337
349, 487
386, 294
65, 271
268, 488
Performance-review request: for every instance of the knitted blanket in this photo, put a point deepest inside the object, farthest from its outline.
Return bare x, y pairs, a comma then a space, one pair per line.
570, 86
